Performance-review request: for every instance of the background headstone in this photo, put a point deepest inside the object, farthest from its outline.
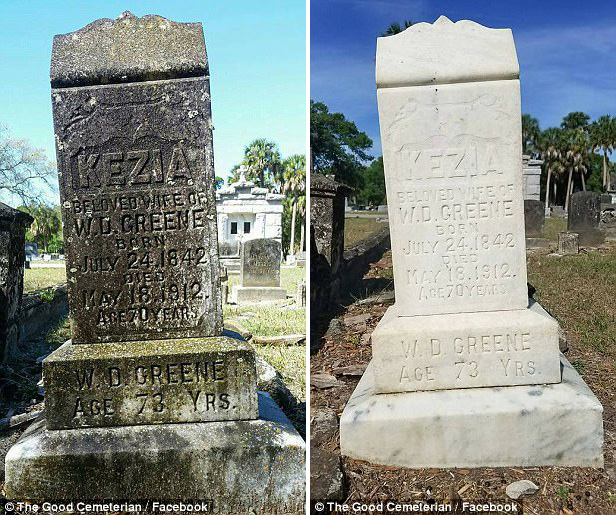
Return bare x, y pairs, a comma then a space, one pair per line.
534, 218
568, 243
584, 216
260, 263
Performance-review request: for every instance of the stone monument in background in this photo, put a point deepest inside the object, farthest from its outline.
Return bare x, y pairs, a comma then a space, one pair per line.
477, 365
149, 400
259, 272
584, 217
13, 226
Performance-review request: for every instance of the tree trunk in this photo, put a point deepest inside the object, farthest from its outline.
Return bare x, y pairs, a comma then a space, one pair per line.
608, 178
583, 181
569, 181
547, 190
301, 239
604, 169
292, 247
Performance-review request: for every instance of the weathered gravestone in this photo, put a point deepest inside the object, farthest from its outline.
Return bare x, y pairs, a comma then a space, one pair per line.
259, 272
534, 218
461, 341
13, 225
584, 216
568, 243
147, 399
327, 206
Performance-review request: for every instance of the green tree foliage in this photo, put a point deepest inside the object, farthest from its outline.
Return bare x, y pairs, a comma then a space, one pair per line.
294, 186
396, 28
337, 146
218, 182
603, 139
46, 230
23, 169
262, 158
530, 134
373, 190
549, 146
576, 120
576, 155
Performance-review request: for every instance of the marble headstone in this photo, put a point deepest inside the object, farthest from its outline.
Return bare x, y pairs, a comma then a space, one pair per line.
135, 167
451, 150
462, 326
259, 272
534, 218
150, 395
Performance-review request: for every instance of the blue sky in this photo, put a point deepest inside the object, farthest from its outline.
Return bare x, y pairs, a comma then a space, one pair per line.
566, 50
257, 66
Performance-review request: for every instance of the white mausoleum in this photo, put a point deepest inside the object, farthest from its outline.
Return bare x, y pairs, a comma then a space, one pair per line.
531, 171
246, 212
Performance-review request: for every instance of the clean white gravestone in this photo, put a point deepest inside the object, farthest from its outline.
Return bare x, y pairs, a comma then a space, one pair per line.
449, 109
462, 328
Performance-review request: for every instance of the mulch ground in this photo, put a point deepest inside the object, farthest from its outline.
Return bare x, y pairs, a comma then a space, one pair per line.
562, 490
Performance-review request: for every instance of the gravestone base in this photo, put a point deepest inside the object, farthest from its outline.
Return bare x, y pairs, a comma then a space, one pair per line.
542, 425
242, 466
231, 264
258, 294
150, 382
465, 350
537, 243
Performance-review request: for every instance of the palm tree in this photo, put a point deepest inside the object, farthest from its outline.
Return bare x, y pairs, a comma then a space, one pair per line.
294, 185
395, 28
234, 174
550, 144
47, 223
301, 212
576, 148
530, 133
262, 159
603, 138
576, 120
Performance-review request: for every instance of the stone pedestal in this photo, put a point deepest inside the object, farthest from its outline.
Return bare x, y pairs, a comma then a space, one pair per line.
568, 243
150, 382
258, 294
249, 466
465, 350
525, 426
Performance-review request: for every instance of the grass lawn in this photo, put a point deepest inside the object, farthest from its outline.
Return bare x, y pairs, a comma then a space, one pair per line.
40, 278
553, 226
271, 319
356, 229
579, 292
290, 363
